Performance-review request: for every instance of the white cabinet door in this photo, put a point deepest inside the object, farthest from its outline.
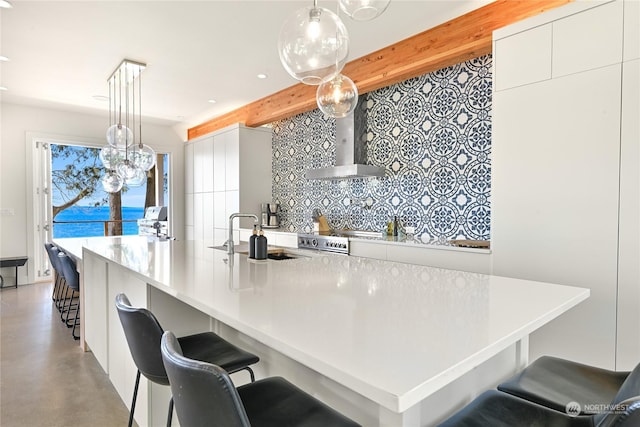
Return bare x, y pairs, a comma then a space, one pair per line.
95, 308
631, 30
523, 58
555, 152
628, 343
240, 168
203, 165
220, 209
188, 168
588, 40
232, 165
219, 166
207, 165
188, 210
198, 216
198, 166
207, 214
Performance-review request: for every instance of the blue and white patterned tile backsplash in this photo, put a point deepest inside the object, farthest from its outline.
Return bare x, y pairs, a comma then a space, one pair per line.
432, 134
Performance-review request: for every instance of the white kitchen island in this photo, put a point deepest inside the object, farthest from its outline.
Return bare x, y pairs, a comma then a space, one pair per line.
386, 343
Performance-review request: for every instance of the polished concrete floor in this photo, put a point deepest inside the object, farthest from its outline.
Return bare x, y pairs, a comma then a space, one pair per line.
45, 378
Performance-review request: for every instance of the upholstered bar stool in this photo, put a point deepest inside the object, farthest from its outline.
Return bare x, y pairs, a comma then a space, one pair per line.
72, 279
58, 278
499, 409
204, 395
554, 383
144, 333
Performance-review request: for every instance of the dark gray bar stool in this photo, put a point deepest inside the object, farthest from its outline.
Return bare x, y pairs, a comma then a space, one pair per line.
554, 383
496, 408
144, 333
58, 278
72, 279
205, 396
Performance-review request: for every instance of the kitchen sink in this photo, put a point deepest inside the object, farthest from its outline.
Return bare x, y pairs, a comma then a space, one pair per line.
274, 253
280, 256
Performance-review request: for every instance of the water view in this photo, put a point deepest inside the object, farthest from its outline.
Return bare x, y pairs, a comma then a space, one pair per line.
91, 229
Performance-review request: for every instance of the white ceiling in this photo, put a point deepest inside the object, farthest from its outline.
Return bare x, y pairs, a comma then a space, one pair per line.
62, 52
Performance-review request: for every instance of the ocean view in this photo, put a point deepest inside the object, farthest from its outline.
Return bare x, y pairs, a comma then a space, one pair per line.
91, 229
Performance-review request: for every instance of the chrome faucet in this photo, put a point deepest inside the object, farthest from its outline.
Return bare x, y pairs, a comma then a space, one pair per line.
229, 242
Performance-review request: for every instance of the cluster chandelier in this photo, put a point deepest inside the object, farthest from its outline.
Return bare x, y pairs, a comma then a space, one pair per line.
125, 158
314, 45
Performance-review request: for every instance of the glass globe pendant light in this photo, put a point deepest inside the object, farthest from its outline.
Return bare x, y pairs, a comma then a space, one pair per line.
313, 44
337, 97
119, 135
132, 175
364, 10
110, 156
126, 161
143, 156
112, 182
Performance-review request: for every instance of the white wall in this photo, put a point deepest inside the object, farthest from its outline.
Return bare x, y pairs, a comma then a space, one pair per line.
15, 172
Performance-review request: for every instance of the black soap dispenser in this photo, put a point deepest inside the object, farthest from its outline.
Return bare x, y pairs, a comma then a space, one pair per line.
252, 242
261, 245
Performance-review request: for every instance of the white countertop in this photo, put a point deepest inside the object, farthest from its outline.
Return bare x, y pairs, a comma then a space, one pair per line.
395, 333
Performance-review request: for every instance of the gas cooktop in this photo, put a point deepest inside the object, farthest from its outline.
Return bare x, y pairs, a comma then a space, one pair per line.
324, 242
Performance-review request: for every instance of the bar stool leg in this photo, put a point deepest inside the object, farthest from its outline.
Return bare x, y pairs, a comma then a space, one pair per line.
133, 402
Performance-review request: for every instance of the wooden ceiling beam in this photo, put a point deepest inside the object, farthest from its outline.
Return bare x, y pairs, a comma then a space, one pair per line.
450, 43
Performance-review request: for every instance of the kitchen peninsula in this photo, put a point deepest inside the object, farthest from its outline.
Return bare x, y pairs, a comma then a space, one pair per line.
386, 343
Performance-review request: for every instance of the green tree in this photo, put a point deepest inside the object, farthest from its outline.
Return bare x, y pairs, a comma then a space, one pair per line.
80, 176
80, 179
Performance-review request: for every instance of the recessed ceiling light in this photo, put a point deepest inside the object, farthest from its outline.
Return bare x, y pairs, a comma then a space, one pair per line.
3, 88
100, 97
262, 76
212, 101
5, 4
3, 58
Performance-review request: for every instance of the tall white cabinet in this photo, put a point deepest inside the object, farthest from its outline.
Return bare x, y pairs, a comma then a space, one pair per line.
226, 171
565, 183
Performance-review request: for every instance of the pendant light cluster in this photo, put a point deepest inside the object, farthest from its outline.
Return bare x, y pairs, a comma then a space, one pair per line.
125, 158
314, 45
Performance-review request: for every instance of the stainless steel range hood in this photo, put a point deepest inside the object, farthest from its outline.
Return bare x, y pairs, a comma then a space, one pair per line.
351, 149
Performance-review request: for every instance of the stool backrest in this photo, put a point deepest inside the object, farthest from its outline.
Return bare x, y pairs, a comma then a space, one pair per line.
143, 333
53, 251
202, 392
69, 271
625, 408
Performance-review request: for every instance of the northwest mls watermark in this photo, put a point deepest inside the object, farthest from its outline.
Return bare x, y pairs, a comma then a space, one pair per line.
574, 409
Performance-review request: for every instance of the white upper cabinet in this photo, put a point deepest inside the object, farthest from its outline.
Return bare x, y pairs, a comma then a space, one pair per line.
203, 165
588, 35
588, 40
231, 173
219, 163
565, 186
631, 29
188, 168
231, 142
523, 58
629, 221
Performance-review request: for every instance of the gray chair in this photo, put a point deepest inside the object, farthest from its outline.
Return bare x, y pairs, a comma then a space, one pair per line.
72, 280
143, 333
58, 278
554, 383
204, 395
499, 409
